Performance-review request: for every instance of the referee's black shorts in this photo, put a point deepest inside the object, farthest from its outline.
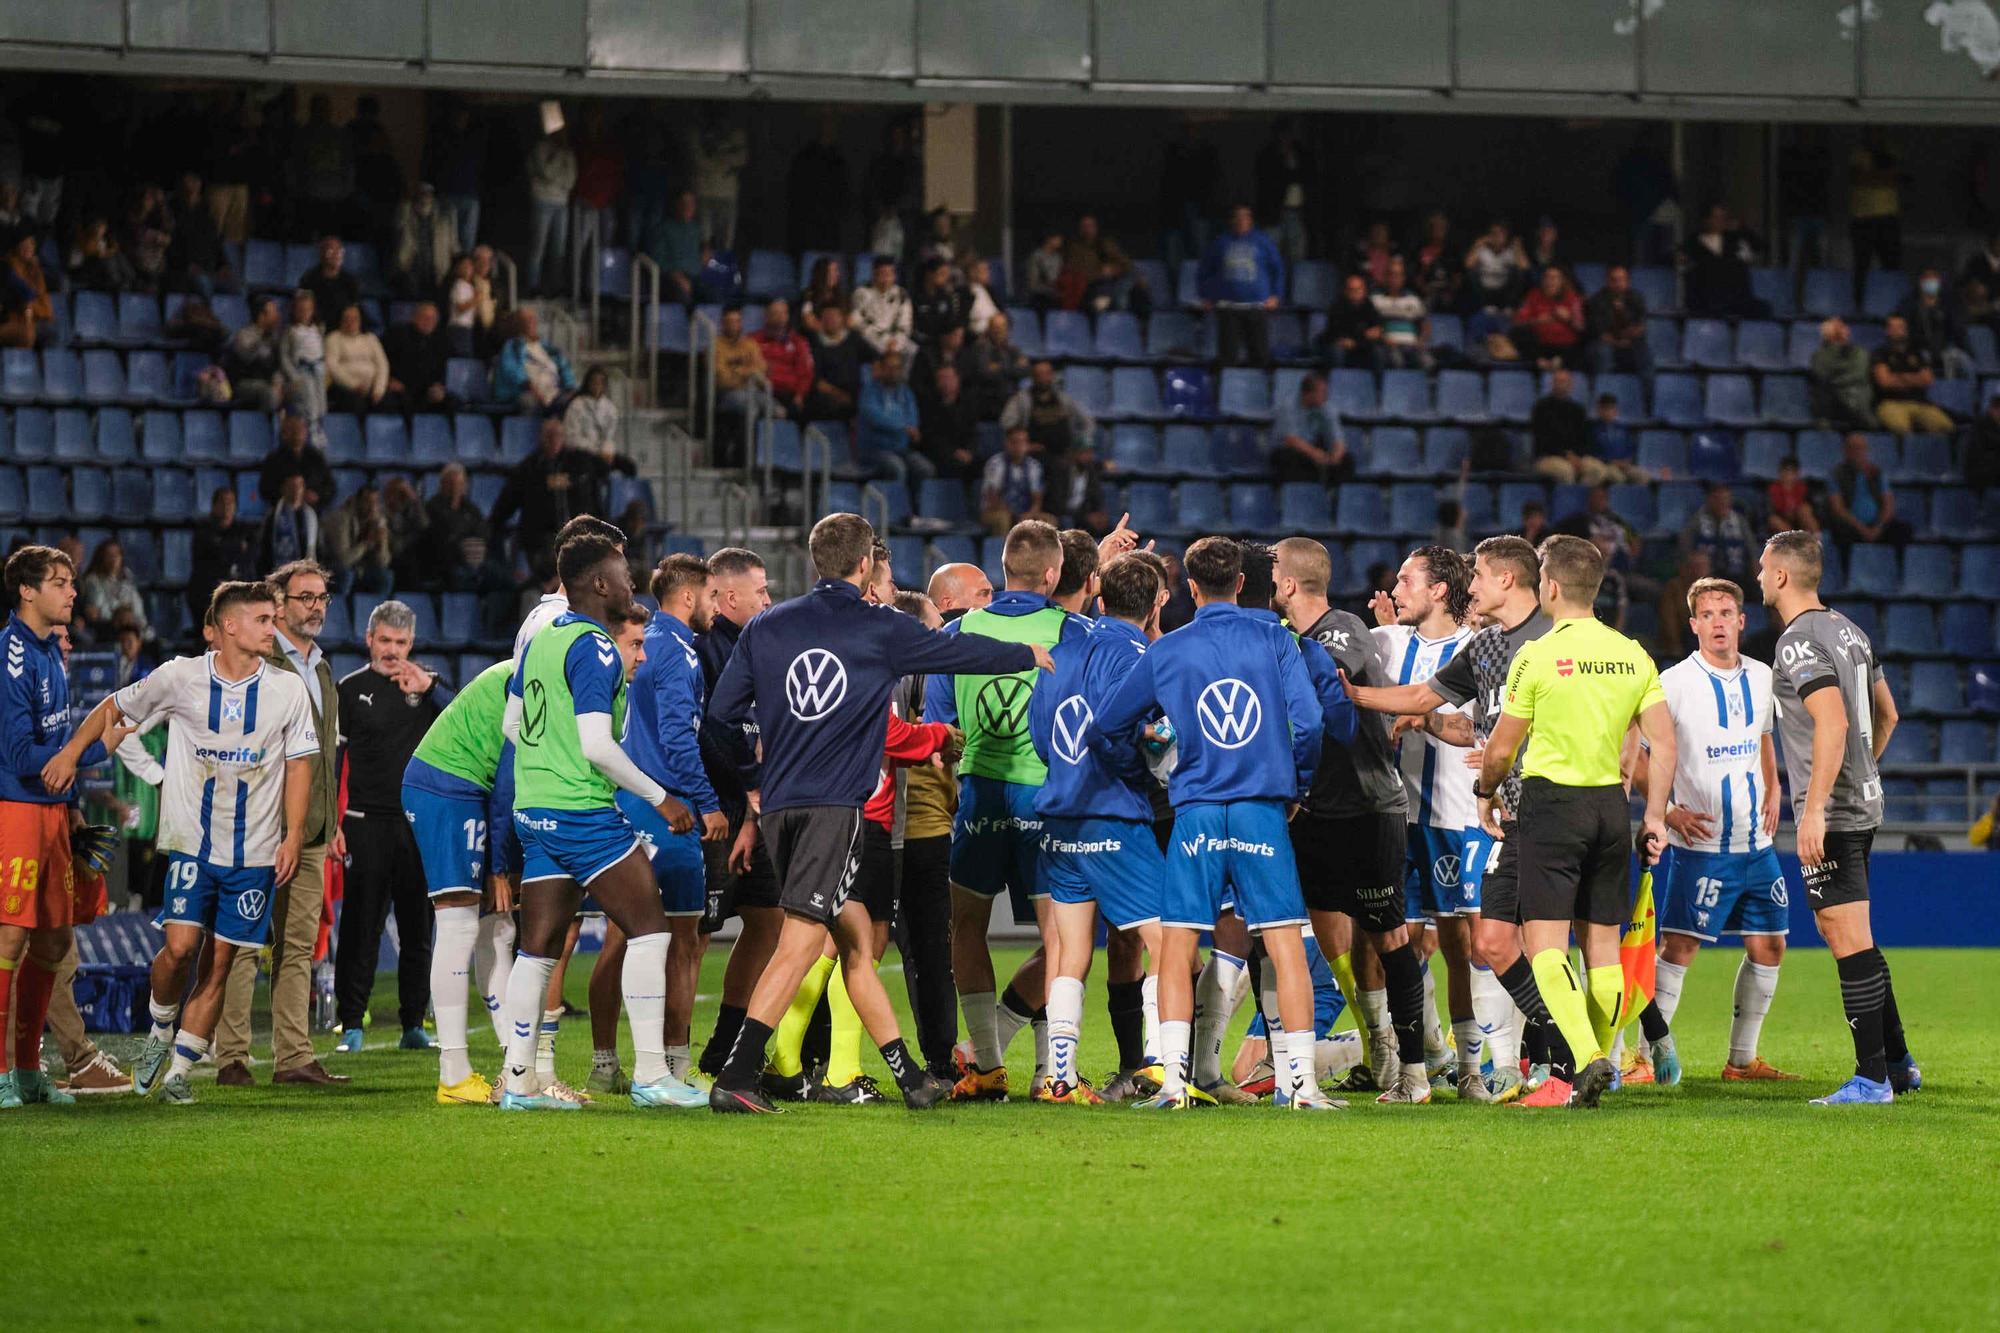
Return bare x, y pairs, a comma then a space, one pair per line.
1575, 853
1352, 864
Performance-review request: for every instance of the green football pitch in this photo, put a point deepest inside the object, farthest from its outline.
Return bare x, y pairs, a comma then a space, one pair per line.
371, 1207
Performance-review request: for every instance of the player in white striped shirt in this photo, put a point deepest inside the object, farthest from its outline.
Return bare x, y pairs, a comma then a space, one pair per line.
1722, 873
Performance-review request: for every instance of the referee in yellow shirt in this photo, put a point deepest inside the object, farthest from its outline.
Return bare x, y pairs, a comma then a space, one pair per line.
1580, 686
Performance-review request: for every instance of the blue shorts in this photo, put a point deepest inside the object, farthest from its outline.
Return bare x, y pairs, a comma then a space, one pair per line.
1328, 1003
1236, 852
503, 843
1482, 849
996, 842
1713, 893
1114, 863
233, 903
451, 833
1433, 881
676, 858
572, 844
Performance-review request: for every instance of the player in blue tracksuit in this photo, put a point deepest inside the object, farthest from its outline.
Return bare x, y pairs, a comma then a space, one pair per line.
1248, 726
818, 672
1097, 848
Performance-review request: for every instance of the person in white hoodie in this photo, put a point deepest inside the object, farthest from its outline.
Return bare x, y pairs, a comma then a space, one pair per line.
551, 177
882, 314
302, 358
717, 153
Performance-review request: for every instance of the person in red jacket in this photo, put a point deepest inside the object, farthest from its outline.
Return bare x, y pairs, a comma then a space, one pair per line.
1549, 325
788, 358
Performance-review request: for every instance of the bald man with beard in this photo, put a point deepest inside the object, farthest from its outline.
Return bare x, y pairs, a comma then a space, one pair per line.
958, 588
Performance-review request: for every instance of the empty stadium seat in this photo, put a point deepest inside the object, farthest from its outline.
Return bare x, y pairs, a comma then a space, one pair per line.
139, 320
1118, 337
1135, 451
1662, 452
430, 440
1461, 396
1135, 392
1828, 291
113, 436
1730, 400
1954, 514
1313, 284
1252, 508
1883, 292
1714, 456
778, 446
131, 495
1979, 572
1663, 340
1967, 629
103, 376
1446, 449
34, 434
1657, 286
1760, 345
20, 375
90, 494
72, 436
1245, 393
1706, 343
1955, 396
250, 437
1173, 333
1412, 507
1090, 386
1392, 452
161, 436
1677, 400
1872, 572
1965, 741
1184, 392
517, 438
1908, 629
465, 379
1066, 334
13, 495
1361, 509
147, 377
1676, 502
1785, 401
1303, 507
1406, 396
1510, 395
387, 442
342, 431
1150, 503
1239, 451
94, 317
473, 441
1186, 451
1352, 393
1772, 286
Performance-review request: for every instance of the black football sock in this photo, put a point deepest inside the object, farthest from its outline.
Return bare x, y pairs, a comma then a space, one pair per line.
1864, 982
1125, 1001
908, 1073
1535, 1042
746, 1057
728, 1021
1652, 1023
1895, 1046
818, 1040
1404, 978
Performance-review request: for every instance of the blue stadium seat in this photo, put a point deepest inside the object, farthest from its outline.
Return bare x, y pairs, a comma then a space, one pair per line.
1657, 286
1985, 350
1027, 333
430, 440
1867, 336
103, 376
1908, 629
1967, 629
161, 433
1510, 395
1731, 400
517, 438
671, 334
458, 620
1634, 504
1871, 571
1186, 451
1135, 392
1785, 401
1362, 509
47, 498
1763, 450
1912, 743
1663, 452
1477, 502
13, 495
1589, 275
1252, 508
1173, 333
343, 438
1461, 396
1676, 501
1412, 507
1239, 451
1982, 687
1446, 449
1245, 393
1352, 393
778, 446
20, 375
264, 267
1828, 291
62, 376
1706, 343
1979, 572
142, 555
1447, 333
1303, 507
1955, 396
472, 440
147, 379
1924, 458
1090, 386
1714, 456
1406, 396
1772, 286
387, 443
1964, 741
1289, 338
1513, 497
1135, 451
1883, 292
176, 555
1201, 507
1154, 277
770, 273
1663, 339
1150, 503
34, 435
1677, 400
94, 318
1819, 453
465, 379
1066, 334
139, 320
1954, 513
1801, 341
1313, 284
131, 495
1392, 452
1118, 337
72, 436
90, 493
942, 499
1285, 382
1187, 284
1760, 345
1184, 392
114, 436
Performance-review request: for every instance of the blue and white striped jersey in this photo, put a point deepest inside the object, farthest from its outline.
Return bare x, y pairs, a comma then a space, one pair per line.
1720, 720
1434, 773
222, 801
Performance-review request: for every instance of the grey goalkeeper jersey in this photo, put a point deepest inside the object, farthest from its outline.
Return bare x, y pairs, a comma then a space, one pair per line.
1823, 649
1477, 674
1360, 778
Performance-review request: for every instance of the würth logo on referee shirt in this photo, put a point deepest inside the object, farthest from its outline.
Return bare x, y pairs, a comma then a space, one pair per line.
1230, 713
815, 683
1564, 666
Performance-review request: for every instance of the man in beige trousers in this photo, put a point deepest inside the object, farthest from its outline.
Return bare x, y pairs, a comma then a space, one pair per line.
302, 587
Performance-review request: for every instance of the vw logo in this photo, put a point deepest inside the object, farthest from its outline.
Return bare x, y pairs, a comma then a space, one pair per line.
1230, 713
815, 683
1444, 871
250, 904
1073, 718
1778, 894
534, 712
1002, 706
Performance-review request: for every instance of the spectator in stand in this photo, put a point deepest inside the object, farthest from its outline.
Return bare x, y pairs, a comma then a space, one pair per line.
1903, 373
1975, 304
788, 359
949, 424
1982, 448
357, 368
1983, 267
1715, 267
462, 301
551, 177
1096, 273
403, 512
1012, 485
818, 192
302, 358
1372, 254
1615, 319
223, 550
1874, 209
10, 204
1406, 325
145, 236
979, 287
1083, 504
1613, 443
600, 178
885, 236
948, 350
291, 527
108, 590
1564, 451
1860, 507
1787, 502
321, 166
458, 169
487, 314
451, 519
1044, 274
1352, 335
1549, 326
357, 537
1839, 381
1612, 599
888, 429
939, 242
1672, 631
676, 246
1436, 270
419, 353
882, 314
1288, 180
333, 288
940, 305
96, 263
550, 487
251, 360
994, 367
1189, 172
838, 357
237, 162
426, 240
1057, 424
826, 286
591, 419
1496, 270
1534, 524
31, 313
1721, 531
738, 362
1307, 443
1242, 280
1935, 326
196, 325
531, 373
196, 259
717, 152
1546, 252
295, 456
1598, 522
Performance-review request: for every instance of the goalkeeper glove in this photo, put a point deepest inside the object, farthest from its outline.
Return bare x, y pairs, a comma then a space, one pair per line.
93, 846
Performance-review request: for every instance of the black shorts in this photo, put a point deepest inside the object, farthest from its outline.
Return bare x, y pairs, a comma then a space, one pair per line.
1843, 876
728, 892
1500, 887
1575, 853
816, 850
1352, 864
875, 886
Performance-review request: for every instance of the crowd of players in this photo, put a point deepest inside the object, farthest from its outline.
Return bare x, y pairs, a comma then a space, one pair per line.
1329, 801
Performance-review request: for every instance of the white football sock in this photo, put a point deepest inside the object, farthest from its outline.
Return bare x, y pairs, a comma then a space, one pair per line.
1212, 1011
1299, 1070
643, 983
1334, 1056
163, 1016
982, 1027
1065, 1020
1267, 999
492, 962
545, 1041
1433, 1025
1493, 1011
1149, 1006
1174, 1035
1617, 1052
1466, 1031
526, 985
602, 1061
1755, 985
679, 1060
188, 1051
1041, 1027
1667, 980
1007, 1025
451, 963
1375, 1012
